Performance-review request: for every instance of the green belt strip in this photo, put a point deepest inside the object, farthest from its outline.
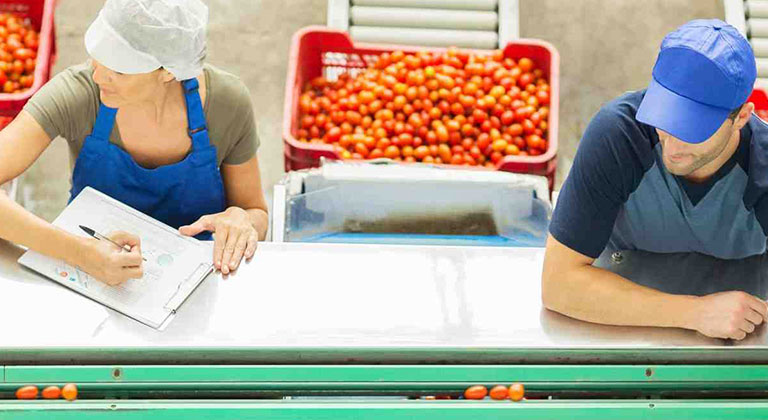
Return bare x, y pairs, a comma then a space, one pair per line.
340, 392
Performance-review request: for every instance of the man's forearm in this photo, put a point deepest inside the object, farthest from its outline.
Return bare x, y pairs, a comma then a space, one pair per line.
597, 295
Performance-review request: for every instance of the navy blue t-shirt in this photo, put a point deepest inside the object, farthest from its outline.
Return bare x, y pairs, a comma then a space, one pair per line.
620, 196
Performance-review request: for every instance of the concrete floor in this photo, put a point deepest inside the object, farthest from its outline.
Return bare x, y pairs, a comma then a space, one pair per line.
606, 47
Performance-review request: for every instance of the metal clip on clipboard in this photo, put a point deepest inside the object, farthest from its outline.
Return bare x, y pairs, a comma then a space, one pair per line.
186, 286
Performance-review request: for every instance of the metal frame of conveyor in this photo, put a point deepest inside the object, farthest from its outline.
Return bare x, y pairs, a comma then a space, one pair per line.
378, 190
389, 391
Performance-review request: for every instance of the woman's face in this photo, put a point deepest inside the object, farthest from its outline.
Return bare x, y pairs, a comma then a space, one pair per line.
118, 89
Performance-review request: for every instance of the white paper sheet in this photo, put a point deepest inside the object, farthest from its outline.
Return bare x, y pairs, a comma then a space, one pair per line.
174, 264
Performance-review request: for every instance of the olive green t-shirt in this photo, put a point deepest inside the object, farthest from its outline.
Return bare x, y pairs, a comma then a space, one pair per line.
67, 106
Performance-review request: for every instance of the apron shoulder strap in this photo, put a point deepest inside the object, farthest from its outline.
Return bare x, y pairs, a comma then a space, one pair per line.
198, 129
105, 121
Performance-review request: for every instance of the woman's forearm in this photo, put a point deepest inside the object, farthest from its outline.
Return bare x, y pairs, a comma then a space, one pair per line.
20, 226
260, 221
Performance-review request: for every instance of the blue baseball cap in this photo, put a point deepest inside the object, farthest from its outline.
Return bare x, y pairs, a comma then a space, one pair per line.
705, 70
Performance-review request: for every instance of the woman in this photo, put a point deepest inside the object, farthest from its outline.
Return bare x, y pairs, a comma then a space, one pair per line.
149, 125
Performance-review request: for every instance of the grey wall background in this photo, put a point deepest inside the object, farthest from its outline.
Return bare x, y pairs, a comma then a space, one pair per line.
606, 47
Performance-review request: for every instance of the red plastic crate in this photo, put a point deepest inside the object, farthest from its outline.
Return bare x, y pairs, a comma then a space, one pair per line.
759, 99
317, 50
40, 13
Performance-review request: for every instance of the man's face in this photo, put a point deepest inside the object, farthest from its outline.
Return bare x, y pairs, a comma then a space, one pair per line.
683, 158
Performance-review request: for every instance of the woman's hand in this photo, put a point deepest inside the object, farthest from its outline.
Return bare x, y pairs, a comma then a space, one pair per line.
110, 264
233, 234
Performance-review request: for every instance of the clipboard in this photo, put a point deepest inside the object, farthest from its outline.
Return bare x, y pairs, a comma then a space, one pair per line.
175, 266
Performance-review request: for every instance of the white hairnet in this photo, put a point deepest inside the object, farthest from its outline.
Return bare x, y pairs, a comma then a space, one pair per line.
139, 36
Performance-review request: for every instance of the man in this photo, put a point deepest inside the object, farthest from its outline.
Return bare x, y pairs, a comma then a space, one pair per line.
679, 167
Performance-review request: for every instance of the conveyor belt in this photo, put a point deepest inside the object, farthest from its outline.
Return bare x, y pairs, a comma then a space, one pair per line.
481, 24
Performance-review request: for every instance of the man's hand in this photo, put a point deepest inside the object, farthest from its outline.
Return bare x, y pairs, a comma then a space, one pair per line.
729, 314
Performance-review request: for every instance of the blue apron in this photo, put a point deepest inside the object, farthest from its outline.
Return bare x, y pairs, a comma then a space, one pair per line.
659, 217
177, 194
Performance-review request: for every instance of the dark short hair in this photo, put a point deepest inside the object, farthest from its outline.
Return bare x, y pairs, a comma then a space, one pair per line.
735, 112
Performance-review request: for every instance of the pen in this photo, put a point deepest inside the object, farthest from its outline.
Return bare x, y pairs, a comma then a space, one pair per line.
99, 236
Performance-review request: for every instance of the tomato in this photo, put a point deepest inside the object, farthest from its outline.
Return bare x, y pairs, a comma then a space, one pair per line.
13, 26
429, 72
470, 89
507, 117
499, 392
392, 152
406, 151
421, 152
499, 145
533, 141
435, 113
18, 66
497, 91
483, 141
467, 101
405, 139
543, 97
23, 53
383, 143
477, 392
69, 392
28, 392
366, 97
308, 121
354, 117
431, 137
515, 130
525, 80
456, 107
525, 64
31, 41
444, 152
454, 138
511, 150
52, 393
479, 115
8, 87
442, 133
528, 126
516, 392
375, 154
320, 120
453, 125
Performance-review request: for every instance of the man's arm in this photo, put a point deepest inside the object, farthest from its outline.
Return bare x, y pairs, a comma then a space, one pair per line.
572, 286
610, 163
